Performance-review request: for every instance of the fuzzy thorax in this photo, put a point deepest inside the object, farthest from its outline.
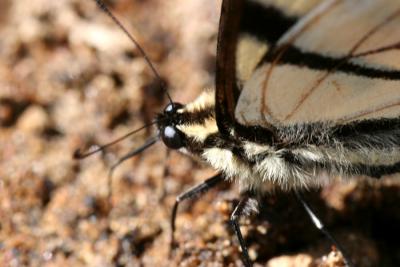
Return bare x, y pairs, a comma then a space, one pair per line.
316, 154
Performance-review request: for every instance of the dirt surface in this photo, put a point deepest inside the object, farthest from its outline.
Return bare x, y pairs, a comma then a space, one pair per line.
70, 79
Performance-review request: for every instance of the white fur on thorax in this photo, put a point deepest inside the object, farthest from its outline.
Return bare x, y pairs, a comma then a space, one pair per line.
273, 169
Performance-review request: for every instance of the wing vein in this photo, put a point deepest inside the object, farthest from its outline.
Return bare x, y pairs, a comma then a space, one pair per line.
345, 59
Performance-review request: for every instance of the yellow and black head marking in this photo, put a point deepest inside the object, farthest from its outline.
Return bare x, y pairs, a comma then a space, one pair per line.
192, 129
305, 91
188, 127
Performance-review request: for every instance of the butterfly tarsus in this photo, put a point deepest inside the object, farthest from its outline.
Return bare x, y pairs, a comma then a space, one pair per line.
247, 204
189, 194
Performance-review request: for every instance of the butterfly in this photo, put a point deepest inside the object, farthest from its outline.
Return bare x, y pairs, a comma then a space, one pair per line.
304, 92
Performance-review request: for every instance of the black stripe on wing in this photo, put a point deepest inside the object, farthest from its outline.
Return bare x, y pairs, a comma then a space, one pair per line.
380, 134
327, 134
294, 56
266, 23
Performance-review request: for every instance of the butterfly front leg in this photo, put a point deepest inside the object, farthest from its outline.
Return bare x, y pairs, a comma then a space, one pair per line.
191, 193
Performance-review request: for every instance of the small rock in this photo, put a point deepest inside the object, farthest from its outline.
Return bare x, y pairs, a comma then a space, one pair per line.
34, 119
300, 260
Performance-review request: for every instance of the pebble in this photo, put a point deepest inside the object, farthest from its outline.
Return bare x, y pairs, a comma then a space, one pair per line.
34, 119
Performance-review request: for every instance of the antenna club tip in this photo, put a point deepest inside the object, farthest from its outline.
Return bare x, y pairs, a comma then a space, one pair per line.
77, 154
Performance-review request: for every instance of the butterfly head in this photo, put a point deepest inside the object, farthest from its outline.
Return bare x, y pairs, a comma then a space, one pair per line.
167, 123
187, 127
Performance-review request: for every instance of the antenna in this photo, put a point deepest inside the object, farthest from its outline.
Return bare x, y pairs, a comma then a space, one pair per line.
133, 153
106, 10
79, 155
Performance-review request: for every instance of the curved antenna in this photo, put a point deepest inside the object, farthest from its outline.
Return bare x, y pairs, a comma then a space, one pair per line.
79, 155
106, 10
133, 153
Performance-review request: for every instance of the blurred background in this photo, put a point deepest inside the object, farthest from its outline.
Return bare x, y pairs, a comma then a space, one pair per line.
70, 79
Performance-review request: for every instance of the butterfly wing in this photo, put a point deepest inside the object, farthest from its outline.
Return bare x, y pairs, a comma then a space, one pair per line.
227, 92
248, 29
339, 63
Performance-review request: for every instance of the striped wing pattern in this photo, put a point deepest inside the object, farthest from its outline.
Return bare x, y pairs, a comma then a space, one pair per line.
248, 30
339, 63
263, 23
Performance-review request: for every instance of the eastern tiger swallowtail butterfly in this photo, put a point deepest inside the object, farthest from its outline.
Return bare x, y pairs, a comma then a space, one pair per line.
319, 98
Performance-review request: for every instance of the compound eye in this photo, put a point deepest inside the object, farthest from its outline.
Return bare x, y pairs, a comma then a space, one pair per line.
172, 107
172, 137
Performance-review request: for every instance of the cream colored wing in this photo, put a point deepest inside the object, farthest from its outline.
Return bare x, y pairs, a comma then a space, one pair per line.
263, 21
340, 63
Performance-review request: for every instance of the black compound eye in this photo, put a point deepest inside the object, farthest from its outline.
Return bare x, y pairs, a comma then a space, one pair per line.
172, 107
172, 137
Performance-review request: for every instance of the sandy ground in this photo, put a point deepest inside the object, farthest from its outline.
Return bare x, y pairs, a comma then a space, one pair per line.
69, 79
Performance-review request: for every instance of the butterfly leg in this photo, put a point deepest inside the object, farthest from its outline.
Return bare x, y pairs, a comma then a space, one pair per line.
191, 193
246, 205
320, 226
